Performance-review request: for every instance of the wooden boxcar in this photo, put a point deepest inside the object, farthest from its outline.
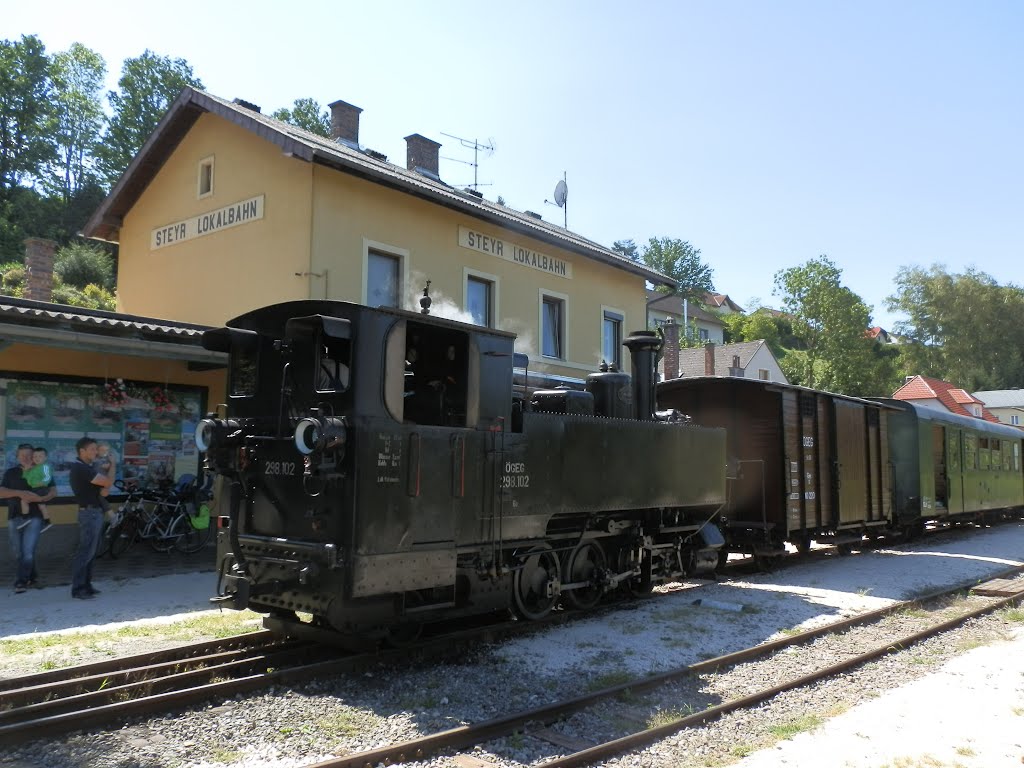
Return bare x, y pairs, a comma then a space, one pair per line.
949, 467
804, 465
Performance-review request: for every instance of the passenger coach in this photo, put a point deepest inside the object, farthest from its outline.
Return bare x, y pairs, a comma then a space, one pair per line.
950, 467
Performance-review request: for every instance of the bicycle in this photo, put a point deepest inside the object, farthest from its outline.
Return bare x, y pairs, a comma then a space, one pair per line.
179, 520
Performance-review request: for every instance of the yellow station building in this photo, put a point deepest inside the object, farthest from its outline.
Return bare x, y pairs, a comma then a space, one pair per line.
226, 209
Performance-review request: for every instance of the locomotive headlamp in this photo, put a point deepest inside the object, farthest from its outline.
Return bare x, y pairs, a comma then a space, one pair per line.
319, 434
210, 429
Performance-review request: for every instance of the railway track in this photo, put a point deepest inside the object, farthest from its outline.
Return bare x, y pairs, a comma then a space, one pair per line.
116, 690
541, 723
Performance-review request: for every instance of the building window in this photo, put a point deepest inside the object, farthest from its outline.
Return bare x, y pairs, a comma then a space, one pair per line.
611, 338
552, 327
382, 280
205, 177
1015, 419
762, 374
480, 300
703, 334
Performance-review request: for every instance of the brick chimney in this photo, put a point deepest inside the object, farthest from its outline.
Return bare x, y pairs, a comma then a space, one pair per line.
709, 359
345, 122
39, 268
671, 357
422, 154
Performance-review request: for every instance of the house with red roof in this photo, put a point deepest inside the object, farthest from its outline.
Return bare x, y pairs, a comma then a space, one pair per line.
935, 393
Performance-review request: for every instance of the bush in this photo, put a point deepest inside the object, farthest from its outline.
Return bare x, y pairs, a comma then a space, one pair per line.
81, 265
91, 297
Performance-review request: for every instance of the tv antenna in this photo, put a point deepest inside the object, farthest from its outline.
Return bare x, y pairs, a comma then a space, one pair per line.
561, 196
476, 146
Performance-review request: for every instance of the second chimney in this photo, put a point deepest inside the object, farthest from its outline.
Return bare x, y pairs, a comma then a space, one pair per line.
422, 154
345, 122
709, 359
39, 254
671, 354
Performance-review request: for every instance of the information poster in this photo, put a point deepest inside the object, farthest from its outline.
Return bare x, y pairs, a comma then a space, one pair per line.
149, 430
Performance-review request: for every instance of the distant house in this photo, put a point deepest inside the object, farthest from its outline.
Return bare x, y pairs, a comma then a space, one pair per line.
662, 306
747, 359
1007, 405
879, 333
721, 304
943, 396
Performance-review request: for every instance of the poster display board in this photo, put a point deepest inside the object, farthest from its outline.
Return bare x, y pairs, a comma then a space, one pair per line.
148, 428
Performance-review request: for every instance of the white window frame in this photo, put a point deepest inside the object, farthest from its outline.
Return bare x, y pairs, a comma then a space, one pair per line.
764, 374
542, 294
206, 162
402, 254
495, 282
617, 314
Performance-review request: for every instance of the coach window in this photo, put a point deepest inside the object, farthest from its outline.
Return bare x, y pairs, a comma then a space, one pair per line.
611, 336
1016, 456
970, 452
983, 453
997, 456
382, 280
552, 325
480, 300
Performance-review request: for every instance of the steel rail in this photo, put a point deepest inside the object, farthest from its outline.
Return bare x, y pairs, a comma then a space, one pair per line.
178, 653
477, 733
642, 738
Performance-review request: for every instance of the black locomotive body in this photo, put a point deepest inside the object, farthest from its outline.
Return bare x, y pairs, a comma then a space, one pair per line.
380, 471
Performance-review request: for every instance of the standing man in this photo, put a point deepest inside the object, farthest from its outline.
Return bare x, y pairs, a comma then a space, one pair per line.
86, 484
24, 538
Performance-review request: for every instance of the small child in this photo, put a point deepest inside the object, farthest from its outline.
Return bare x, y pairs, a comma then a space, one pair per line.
38, 477
101, 465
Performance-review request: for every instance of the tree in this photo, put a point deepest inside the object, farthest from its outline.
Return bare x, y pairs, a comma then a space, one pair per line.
308, 115
832, 321
25, 113
149, 84
80, 265
680, 261
77, 75
626, 248
962, 328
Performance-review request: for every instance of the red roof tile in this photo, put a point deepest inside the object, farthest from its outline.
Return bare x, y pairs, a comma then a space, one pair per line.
953, 398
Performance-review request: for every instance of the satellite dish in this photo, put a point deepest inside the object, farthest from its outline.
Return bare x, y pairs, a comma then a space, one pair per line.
561, 190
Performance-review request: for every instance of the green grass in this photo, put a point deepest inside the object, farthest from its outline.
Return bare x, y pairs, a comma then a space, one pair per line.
608, 680
347, 723
1015, 615
106, 641
666, 716
793, 727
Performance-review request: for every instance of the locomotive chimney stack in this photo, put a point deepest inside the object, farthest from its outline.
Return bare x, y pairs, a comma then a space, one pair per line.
643, 350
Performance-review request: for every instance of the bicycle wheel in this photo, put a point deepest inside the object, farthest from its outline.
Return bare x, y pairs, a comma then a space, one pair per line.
105, 534
192, 539
164, 530
123, 535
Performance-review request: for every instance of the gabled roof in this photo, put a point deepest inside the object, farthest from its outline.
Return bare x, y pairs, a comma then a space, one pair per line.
691, 361
1001, 398
672, 304
718, 300
302, 145
953, 398
57, 325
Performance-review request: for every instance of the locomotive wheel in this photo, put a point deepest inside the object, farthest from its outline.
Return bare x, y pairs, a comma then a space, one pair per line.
644, 583
531, 581
585, 563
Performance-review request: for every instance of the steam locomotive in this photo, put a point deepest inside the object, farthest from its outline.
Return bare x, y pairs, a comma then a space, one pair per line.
380, 471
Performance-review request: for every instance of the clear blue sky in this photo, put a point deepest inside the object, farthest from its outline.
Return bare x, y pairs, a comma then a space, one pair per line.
883, 134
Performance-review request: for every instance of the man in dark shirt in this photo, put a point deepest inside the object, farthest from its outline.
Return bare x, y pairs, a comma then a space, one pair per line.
23, 538
86, 484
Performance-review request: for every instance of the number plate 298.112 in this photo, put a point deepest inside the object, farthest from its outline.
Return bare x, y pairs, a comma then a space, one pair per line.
286, 468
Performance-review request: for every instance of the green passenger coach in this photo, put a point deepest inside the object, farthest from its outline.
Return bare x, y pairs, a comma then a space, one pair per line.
951, 467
